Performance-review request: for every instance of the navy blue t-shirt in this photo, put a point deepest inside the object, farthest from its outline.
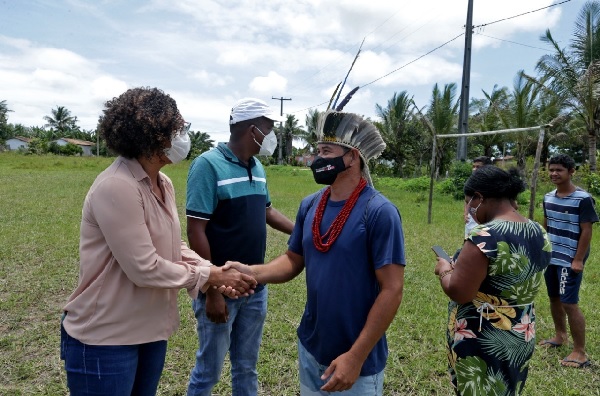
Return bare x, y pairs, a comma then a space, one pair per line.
341, 283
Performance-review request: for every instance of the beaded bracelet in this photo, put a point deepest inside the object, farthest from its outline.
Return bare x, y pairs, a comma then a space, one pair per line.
444, 273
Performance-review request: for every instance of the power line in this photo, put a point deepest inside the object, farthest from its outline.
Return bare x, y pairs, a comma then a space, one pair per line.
413, 61
393, 71
513, 42
525, 13
306, 88
444, 44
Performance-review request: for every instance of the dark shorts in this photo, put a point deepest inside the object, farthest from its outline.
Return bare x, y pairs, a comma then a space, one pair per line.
564, 283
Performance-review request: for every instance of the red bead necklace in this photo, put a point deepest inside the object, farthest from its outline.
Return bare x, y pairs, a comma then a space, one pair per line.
338, 223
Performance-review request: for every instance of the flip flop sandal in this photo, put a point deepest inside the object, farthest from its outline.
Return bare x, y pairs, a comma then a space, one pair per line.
577, 363
550, 344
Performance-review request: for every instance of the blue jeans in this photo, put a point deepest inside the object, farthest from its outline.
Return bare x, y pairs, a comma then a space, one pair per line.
311, 382
112, 370
241, 336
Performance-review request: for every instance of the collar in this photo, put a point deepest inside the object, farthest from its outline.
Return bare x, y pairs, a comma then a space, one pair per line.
569, 194
229, 156
134, 167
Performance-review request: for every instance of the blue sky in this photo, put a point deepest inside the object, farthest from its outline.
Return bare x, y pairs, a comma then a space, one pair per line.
208, 54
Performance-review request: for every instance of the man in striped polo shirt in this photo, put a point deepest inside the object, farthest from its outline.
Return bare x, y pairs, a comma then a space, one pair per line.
228, 206
569, 213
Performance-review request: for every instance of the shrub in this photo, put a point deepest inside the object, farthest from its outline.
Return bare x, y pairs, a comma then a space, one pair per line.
459, 173
445, 186
37, 146
417, 184
68, 149
589, 180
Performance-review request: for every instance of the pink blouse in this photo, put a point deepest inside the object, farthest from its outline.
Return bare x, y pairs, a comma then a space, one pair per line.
132, 261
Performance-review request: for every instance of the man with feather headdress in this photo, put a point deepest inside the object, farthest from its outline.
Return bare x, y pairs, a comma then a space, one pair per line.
349, 238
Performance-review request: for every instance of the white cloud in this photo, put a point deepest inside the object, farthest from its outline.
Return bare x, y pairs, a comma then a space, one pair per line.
40, 79
211, 79
208, 54
272, 82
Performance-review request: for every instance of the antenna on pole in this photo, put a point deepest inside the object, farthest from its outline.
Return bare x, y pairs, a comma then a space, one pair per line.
279, 155
463, 113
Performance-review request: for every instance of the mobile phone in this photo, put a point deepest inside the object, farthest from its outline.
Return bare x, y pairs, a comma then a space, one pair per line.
440, 252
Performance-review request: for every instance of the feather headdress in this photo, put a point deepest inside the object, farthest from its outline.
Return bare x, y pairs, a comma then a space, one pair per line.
352, 131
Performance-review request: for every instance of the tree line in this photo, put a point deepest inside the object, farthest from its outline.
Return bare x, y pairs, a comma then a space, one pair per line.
564, 96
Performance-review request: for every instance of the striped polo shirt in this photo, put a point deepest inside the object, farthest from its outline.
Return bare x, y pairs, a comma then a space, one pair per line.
233, 197
563, 218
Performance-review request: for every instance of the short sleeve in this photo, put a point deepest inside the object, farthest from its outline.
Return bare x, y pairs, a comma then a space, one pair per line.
587, 211
268, 196
201, 195
386, 236
484, 240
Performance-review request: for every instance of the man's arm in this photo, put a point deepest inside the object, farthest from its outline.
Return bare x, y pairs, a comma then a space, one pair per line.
345, 369
216, 308
585, 237
278, 221
196, 232
282, 269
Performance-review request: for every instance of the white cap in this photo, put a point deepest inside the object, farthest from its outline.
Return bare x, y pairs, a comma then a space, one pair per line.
251, 108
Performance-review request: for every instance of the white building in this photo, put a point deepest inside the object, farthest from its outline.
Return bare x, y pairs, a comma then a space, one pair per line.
84, 144
18, 142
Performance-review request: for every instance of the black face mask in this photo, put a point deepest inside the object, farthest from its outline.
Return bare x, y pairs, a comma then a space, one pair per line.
325, 170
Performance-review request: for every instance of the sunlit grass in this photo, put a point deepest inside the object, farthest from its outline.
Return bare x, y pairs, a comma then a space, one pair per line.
40, 211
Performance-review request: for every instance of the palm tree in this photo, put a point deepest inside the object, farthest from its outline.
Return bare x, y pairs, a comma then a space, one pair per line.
488, 114
523, 110
200, 142
4, 110
309, 135
4, 130
399, 131
442, 115
291, 132
61, 121
574, 73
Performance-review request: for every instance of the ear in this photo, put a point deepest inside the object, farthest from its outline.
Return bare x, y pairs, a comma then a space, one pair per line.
251, 129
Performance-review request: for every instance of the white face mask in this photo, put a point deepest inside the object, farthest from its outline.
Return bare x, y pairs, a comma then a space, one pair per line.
180, 146
472, 210
269, 143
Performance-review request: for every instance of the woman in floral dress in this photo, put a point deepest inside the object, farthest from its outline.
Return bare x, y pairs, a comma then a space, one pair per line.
492, 285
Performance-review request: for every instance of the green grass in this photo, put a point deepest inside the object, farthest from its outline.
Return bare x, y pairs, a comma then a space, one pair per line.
40, 210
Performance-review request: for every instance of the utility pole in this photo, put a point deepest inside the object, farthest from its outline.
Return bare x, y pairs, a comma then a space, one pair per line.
280, 157
463, 113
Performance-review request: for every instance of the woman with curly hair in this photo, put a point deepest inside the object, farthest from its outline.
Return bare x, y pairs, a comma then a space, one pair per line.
492, 285
132, 258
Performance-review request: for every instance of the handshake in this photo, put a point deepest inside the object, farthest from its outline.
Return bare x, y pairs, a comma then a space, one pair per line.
233, 279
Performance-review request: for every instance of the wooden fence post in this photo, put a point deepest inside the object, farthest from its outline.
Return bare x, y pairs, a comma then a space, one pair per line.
536, 168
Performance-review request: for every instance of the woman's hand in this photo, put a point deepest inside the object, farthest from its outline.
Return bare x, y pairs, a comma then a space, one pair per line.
239, 267
237, 282
442, 265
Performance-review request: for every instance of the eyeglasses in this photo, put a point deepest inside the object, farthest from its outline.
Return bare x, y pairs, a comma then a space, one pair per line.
185, 129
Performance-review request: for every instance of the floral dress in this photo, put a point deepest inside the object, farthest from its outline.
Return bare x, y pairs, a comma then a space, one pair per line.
491, 339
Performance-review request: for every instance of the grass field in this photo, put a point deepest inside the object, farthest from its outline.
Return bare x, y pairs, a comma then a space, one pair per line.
40, 209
